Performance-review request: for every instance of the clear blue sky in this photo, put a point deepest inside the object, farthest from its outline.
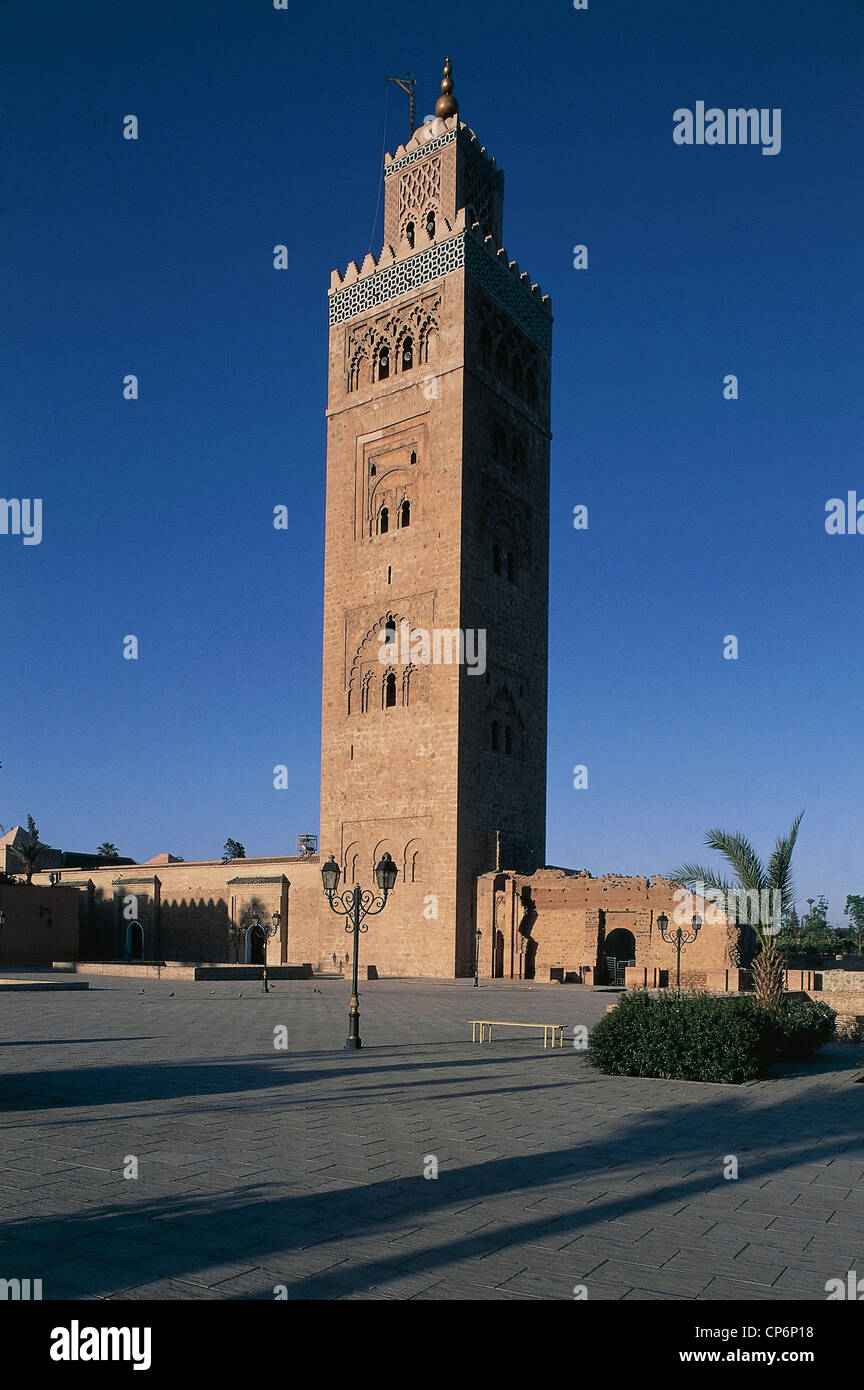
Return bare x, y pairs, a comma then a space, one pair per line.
707, 516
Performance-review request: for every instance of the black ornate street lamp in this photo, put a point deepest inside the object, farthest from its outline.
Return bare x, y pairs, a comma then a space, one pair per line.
357, 903
250, 922
275, 923
477, 935
679, 938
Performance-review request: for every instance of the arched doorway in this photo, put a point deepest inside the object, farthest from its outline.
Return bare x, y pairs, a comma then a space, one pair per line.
134, 941
503, 924
619, 948
255, 943
498, 963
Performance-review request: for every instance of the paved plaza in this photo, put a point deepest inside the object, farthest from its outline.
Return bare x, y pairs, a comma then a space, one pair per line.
302, 1170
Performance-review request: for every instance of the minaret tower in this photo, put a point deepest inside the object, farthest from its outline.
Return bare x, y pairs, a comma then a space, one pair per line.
437, 545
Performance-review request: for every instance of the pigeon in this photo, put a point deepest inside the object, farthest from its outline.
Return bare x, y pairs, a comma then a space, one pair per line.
240, 995
212, 991
140, 991
171, 995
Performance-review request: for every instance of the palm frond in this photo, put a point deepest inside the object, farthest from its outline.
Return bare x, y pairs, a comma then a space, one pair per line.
693, 875
780, 864
27, 854
740, 856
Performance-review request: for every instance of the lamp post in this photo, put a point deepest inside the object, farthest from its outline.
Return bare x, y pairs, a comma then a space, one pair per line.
275, 923
357, 903
477, 935
252, 920
679, 938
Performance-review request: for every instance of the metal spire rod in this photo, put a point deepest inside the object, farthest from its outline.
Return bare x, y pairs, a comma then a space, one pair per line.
407, 84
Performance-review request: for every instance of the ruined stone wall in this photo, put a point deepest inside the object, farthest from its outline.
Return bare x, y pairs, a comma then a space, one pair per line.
557, 920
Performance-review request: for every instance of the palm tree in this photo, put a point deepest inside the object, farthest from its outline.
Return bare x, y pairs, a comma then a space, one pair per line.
28, 856
752, 876
108, 850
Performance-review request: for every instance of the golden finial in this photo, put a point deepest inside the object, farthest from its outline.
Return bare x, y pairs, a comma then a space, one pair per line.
446, 105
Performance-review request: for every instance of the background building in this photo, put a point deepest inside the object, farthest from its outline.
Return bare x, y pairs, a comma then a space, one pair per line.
435, 637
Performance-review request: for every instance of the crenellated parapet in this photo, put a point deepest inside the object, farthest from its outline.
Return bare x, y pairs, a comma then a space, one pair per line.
436, 135
444, 231
455, 246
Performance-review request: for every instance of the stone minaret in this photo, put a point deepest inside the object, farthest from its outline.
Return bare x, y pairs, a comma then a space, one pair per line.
437, 525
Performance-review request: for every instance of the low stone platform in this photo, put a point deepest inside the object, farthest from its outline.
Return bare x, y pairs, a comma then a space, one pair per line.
180, 970
12, 984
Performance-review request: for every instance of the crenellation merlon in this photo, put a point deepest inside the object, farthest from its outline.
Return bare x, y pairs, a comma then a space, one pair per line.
389, 254
435, 130
498, 253
446, 231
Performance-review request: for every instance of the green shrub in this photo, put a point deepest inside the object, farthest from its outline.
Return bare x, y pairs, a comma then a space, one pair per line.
796, 1030
704, 1037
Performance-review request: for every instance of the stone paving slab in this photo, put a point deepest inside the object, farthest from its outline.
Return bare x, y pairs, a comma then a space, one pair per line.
305, 1167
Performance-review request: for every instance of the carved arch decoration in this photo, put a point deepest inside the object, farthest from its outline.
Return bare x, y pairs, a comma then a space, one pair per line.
365, 664
509, 355
365, 343
390, 490
349, 863
412, 861
504, 519
504, 713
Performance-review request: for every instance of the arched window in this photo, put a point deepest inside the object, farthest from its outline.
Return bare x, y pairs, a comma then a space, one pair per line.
496, 558
529, 390
364, 692
390, 629
516, 377
372, 471
384, 363
511, 568
407, 354
384, 521
413, 455
358, 374
409, 235
407, 685
405, 513
390, 690
502, 366
486, 349
430, 223
496, 733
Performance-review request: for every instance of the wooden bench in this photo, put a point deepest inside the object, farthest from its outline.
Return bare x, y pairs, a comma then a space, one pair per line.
551, 1031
